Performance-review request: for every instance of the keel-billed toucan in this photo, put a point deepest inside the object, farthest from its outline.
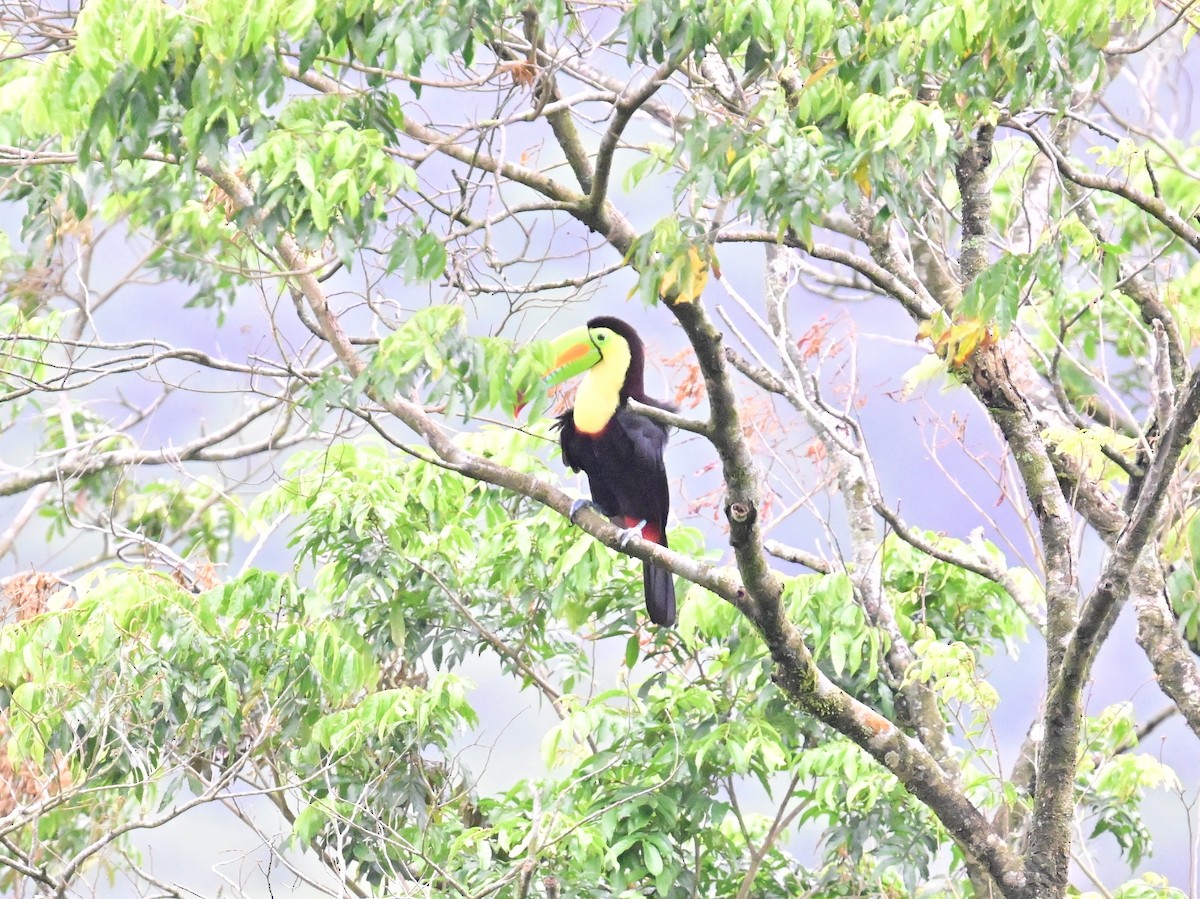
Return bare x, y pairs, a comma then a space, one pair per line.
620, 450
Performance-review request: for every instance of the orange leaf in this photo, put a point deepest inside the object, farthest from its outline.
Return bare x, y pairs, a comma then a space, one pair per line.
960, 341
820, 71
523, 73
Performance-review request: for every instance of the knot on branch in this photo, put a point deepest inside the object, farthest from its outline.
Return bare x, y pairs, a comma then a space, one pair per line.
993, 382
741, 518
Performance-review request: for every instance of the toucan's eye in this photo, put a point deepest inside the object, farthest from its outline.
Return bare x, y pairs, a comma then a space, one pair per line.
601, 337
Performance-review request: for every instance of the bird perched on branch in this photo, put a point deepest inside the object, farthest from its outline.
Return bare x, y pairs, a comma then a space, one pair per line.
620, 451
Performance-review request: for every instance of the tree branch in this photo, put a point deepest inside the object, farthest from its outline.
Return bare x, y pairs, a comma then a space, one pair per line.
882, 277
1123, 565
562, 123
623, 110
1151, 205
796, 671
971, 173
1135, 286
1048, 856
797, 556
1158, 635
80, 463
860, 495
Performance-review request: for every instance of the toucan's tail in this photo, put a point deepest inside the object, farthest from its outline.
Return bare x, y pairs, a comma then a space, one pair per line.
660, 594
658, 583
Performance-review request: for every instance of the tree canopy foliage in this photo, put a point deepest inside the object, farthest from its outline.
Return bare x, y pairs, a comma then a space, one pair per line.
272, 285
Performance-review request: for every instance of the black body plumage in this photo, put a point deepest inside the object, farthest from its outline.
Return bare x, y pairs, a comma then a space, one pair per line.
625, 470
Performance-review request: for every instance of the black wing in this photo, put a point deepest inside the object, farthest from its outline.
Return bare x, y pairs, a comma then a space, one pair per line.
624, 465
641, 477
581, 452
628, 481
646, 496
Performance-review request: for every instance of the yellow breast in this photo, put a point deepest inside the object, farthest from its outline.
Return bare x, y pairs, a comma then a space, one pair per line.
595, 404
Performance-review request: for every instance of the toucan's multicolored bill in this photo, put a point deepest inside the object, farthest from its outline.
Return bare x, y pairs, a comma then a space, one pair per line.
573, 354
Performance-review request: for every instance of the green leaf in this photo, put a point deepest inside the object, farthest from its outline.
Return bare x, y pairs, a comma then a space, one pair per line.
652, 859
632, 649
309, 822
304, 171
1110, 267
838, 647
1193, 532
298, 16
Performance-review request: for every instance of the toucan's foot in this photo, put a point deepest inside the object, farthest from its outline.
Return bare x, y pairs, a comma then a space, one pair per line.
628, 534
579, 505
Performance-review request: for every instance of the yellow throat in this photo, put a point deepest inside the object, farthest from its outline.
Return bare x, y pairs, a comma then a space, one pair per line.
599, 393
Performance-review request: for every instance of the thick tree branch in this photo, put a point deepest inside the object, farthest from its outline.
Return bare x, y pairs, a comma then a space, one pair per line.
562, 122
917, 300
672, 419
1049, 850
1158, 635
1074, 637
1048, 857
910, 762
796, 671
971, 174
797, 556
1122, 565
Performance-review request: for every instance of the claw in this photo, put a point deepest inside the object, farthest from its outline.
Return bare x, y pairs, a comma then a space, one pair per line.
579, 505
629, 533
